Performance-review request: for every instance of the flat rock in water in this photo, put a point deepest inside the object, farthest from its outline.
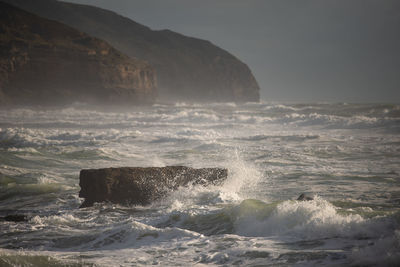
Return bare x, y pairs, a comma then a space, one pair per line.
141, 186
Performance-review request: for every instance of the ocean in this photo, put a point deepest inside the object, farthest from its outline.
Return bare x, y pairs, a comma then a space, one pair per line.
345, 155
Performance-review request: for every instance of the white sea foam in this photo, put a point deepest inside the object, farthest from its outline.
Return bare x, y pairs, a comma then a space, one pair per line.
302, 219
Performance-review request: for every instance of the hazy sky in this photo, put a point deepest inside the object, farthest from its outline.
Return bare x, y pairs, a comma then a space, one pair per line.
298, 50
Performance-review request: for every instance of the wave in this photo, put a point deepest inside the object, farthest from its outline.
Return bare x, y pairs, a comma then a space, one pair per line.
385, 250
286, 138
12, 189
13, 258
237, 228
12, 138
336, 122
86, 233
327, 116
299, 219
292, 220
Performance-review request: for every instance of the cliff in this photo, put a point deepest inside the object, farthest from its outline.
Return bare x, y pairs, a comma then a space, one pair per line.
44, 62
188, 69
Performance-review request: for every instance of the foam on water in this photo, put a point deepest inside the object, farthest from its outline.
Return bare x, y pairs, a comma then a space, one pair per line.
302, 220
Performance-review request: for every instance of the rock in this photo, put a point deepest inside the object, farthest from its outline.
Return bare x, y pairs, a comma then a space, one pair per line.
305, 197
16, 218
44, 62
188, 69
141, 186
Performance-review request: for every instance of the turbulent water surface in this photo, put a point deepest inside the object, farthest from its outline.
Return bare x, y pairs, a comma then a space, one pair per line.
347, 155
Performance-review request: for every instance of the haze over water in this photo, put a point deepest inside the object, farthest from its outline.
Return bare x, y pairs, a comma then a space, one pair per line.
346, 155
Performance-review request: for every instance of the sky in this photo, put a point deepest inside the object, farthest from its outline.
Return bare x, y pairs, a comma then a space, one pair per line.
298, 50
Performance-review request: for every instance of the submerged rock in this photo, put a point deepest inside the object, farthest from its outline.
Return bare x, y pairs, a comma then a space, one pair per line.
305, 197
141, 186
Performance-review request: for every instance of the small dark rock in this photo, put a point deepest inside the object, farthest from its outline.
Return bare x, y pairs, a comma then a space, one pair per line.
304, 197
16, 218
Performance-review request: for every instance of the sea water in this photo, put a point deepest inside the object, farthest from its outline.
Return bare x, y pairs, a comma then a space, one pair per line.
346, 155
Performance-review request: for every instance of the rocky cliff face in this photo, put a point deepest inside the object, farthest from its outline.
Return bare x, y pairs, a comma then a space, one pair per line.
188, 69
43, 62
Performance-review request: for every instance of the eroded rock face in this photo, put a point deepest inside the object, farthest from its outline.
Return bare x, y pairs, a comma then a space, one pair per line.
44, 62
188, 69
141, 186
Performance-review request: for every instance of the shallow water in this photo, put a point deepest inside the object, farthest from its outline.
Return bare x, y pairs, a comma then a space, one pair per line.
347, 155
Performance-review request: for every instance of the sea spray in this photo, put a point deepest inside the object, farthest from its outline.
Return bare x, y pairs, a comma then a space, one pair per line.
242, 179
